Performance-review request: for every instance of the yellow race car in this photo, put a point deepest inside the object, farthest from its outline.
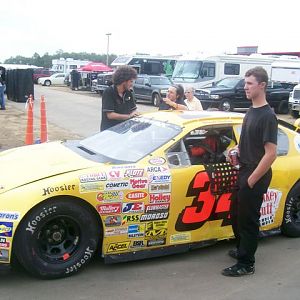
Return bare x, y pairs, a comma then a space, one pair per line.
153, 185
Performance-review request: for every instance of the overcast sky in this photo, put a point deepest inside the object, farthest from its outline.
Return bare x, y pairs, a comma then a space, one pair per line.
154, 27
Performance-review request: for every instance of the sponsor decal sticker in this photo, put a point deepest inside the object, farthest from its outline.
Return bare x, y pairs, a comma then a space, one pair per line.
141, 183
136, 230
116, 247
91, 187
161, 178
116, 185
138, 195
130, 219
111, 221
156, 242
106, 209
156, 233
9, 215
4, 255
157, 161
4, 243
154, 216
6, 229
157, 208
160, 188
93, 177
134, 173
182, 237
110, 196
137, 244
114, 174
160, 198
56, 189
157, 225
269, 206
157, 169
115, 231
136, 207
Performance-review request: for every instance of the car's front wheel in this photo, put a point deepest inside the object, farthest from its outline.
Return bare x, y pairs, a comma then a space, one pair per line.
226, 105
57, 238
156, 100
291, 218
47, 83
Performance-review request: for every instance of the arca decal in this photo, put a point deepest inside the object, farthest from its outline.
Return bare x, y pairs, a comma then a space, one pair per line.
205, 206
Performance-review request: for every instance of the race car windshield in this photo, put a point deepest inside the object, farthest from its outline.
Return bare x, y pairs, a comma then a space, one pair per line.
131, 140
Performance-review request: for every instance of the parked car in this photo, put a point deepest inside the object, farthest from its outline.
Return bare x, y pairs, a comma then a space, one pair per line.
55, 79
134, 191
294, 102
151, 88
41, 72
229, 93
104, 80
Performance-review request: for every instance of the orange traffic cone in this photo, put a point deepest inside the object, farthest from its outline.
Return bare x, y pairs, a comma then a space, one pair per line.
29, 129
44, 134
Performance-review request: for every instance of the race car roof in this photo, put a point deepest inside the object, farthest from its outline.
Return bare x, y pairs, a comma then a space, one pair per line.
184, 117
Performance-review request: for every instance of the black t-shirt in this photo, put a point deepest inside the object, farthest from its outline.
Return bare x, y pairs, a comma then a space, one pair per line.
259, 127
112, 102
165, 106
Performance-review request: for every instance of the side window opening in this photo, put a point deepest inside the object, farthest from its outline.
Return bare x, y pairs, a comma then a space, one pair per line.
206, 145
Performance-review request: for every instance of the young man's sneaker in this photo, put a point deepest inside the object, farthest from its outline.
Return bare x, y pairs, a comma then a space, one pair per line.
233, 253
238, 270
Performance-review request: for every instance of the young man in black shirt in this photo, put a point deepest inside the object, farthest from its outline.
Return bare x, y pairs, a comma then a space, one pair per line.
257, 151
174, 100
118, 101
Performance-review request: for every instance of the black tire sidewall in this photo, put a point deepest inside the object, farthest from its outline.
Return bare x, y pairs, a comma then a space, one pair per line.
27, 233
156, 103
288, 227
222, 105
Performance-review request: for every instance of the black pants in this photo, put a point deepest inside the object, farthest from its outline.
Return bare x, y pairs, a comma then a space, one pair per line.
245, 214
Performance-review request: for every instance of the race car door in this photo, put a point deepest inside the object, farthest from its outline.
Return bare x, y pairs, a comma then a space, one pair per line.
198, 211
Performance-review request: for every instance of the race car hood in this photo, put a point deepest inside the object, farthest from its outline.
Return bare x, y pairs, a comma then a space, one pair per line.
20, 166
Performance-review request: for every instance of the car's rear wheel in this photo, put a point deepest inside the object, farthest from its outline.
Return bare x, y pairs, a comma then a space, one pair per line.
47, 83
57, 238
226, 105
283, 107
291, 218
156, 99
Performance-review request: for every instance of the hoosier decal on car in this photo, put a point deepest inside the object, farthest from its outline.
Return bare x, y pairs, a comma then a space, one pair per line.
134, 173
139, 195
110, 196
131, 208
269, 207
101, 176
116, 247
159, 198
56, 189
106, 209
160, 188
111, 221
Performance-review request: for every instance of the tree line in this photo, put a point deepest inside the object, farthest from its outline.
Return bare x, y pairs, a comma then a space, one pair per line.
45, 61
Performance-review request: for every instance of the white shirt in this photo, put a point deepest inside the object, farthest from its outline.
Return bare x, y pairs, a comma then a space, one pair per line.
195, 104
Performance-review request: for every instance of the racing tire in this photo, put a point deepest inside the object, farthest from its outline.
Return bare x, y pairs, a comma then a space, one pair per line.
156, 100
57, 238
294, 113
283, 107
47, 83
291, 217
226, 105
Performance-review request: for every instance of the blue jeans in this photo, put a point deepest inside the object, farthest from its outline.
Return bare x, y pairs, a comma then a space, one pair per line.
2, 99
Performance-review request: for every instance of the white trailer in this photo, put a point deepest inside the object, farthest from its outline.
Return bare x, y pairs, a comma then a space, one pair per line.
202, 72
286, 71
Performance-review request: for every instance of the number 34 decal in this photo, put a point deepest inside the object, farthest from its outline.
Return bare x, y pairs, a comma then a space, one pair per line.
205, 206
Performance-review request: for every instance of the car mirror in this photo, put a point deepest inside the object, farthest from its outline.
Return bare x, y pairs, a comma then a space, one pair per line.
148, 84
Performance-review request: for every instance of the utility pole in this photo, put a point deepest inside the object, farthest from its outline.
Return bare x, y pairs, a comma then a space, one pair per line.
107, 53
